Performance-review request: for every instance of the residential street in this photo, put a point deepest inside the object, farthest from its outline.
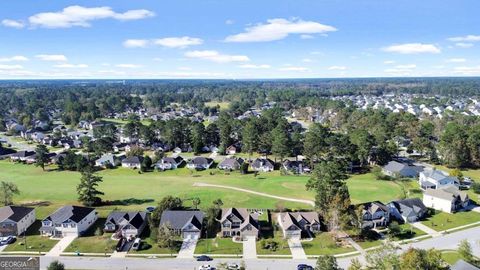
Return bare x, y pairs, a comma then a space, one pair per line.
449, 241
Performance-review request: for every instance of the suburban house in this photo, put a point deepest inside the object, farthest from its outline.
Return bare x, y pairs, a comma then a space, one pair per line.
398, 169
169, 163
126, 224
188, 224
108, 160
21, 155
231, 164
435, 179
297, 167
263, 165
375, 214
68, 220
408, 210
132, 162
239, 222
231, 150
15, 220
200, 163
448, 199
119, 146
293, 224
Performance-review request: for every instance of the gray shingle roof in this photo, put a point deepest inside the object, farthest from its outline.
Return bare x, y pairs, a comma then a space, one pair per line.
177, 219
136, 219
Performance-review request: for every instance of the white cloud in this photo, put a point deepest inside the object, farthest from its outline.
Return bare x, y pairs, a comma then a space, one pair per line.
276, 29
82, 16
157, 59
71, 66
465, 70
293, 68
412, 48
128, 66
409, 66
229, 22
135, 43
305, 36
52, 57
337, 68
184, 68
463, 45
307, 60
469, 38
13, 23
178, 42
251, 66
388, 62
215, 56
10, 67
16, 58
456, 60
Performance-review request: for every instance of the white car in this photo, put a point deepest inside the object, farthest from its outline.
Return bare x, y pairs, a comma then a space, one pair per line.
233, 266
205, 267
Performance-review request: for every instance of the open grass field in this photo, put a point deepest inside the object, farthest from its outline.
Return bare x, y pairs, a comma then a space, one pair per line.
324, 244
127, 189
218, 246
444, 221
223, 105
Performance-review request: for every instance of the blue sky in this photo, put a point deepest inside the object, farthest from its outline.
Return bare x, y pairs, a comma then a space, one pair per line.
238, 39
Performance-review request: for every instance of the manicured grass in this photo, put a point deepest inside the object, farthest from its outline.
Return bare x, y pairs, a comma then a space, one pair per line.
444, 221
218, 246
408, 232
148, 246
223, 105
34, 241
91, 243
282, 248
127, 189
451, 257
324, 244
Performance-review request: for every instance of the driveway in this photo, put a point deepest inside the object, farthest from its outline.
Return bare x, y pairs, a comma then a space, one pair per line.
61, 246
250, 248
296, 248
188, 246
425, 229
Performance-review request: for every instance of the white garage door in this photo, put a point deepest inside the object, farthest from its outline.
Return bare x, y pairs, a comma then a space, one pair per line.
191, 235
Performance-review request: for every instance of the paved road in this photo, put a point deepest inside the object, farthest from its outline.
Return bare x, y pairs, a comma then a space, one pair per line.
296, 249
449, 241
310, 203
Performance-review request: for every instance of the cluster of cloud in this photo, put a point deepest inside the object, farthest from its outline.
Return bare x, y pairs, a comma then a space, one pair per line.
215, 56
465, 41
412, 48
277, 29
401, 70
169, 42
77, 16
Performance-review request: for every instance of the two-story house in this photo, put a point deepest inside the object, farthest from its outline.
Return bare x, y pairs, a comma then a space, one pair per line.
239, 222
293, 224
435, 179
448, 199
126, 224
375, 214
68, 220
15, 220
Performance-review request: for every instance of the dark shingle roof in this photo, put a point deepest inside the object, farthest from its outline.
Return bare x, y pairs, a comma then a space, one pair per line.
134, 159
14, 213
177, 219
74, 213
136, 219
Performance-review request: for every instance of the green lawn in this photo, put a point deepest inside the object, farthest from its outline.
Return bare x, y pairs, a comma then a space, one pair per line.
223, 105
34, 242
218, 246
451, 257
148, 246
444, 221
91, 243
282, 248
127, 189
324, 244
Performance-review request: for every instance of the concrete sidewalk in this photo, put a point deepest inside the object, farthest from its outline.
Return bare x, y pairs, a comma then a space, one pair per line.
61, 246
296, 249
425, 229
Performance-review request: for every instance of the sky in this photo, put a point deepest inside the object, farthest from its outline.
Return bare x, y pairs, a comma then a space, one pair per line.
238, 39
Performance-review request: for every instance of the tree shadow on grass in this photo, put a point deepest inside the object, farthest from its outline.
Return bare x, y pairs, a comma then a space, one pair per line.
129, 201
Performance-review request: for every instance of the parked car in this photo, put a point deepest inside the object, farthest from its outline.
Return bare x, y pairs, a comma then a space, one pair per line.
304, 267
205, 267
150, 209
233, 266
136, 244
7, 240
204, 258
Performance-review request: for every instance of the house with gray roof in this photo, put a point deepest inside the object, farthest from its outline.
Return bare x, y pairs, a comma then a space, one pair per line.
169, 163
15, 220
435, 179
463, 265
408, 210
375, 214
293, 224
447, 199
263, 165
239, 222
200, 163
108, 160
296, 166
186, 223
68, 220
134, 162
231, 164
126, 224
21, 155
398, 169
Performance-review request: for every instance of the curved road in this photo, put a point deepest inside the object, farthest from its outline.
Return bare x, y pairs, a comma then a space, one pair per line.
310, 203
